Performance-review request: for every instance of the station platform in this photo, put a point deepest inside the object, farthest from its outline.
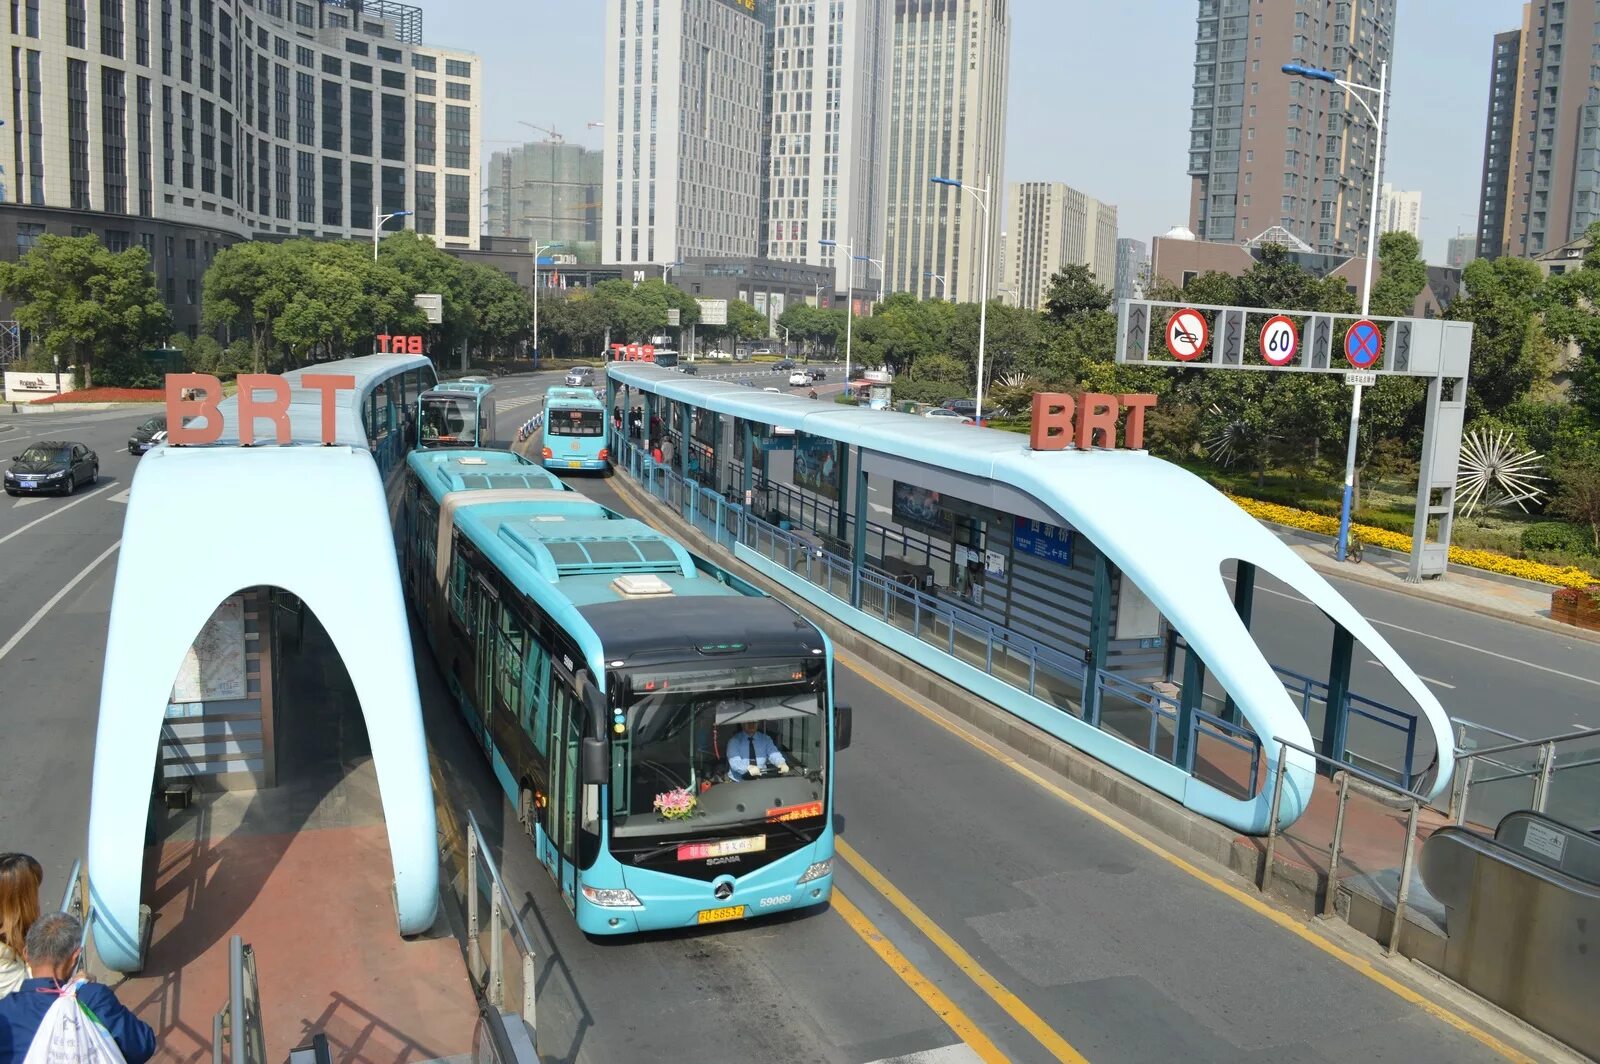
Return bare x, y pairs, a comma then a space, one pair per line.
302, 873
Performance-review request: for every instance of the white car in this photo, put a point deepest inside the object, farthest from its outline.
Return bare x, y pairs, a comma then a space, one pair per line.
778, 390
940, 411
800, 379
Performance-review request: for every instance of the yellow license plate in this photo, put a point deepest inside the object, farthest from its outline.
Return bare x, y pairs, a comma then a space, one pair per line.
574, 465
712, 916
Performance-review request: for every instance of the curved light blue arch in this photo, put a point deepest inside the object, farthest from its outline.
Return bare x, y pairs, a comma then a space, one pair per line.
202, 523
1165, 528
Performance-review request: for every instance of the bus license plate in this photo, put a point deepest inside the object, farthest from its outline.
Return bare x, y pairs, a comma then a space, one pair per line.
574, 465
712, 916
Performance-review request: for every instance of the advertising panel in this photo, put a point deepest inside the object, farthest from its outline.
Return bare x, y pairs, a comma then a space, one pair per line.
713, 311
816, 465
26, 387
919, 508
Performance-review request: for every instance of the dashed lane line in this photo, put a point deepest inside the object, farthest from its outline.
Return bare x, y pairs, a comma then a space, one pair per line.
66, 589
57, 512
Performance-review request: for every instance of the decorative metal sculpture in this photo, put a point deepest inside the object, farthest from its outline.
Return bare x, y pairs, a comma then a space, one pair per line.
1234, 438
1496, 472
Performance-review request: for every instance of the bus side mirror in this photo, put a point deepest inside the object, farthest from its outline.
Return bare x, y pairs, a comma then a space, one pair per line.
596, 766
842, 720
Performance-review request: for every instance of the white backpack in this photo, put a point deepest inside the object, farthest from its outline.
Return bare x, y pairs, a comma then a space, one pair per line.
71, 1033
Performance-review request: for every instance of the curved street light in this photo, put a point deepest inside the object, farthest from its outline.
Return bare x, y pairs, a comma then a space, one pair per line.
377, 226
982, 196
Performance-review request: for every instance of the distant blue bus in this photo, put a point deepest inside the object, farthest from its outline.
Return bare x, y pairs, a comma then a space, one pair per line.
576, 432
456, 414
609, 676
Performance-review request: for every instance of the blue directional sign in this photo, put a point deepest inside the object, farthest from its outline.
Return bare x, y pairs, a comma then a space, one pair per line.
1043, 541
1363, 343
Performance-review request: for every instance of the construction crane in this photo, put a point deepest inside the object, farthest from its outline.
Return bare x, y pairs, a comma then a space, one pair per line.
555, 138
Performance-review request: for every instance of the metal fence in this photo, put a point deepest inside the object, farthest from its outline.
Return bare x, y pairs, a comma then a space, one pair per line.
500, 955
1559, 774
237, 1036
1136, 713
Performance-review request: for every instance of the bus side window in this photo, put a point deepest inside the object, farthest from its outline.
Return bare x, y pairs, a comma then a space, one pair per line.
536, 693
508, 671
458, 587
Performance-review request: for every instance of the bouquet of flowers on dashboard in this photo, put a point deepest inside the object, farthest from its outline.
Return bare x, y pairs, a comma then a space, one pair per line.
677, 804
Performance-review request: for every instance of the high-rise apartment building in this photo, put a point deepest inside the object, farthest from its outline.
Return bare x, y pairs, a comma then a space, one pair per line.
1133, 269
186, 125
828, 122
1267, 149
1049, 225
686, 90
947, 115
1399, 211
1544, 186
1499, 136
546, 192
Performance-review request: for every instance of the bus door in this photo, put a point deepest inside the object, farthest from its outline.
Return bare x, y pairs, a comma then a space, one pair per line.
486, 625
566, 733
486, 422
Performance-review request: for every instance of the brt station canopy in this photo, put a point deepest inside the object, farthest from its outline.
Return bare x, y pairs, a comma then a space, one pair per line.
1089, 563
213, 538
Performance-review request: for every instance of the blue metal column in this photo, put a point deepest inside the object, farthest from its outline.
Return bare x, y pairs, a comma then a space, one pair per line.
842, 532
858, 549
1194, 685
749, 433
1099, 637
685, 435
1244, 597
1336, 719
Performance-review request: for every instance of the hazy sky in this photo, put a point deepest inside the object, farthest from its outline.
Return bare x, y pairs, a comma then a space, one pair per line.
1099, 98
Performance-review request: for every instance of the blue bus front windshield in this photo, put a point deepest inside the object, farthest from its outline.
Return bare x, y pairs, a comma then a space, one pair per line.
449, 420
561, 422
685, 722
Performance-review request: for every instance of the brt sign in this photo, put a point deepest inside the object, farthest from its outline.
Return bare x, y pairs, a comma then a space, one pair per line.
197, 395
1087, 420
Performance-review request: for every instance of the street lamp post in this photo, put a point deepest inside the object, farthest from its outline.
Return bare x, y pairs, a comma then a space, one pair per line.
1357, 91
377, 226
849, 299
538, 249
940, 278
879, 264
982, 196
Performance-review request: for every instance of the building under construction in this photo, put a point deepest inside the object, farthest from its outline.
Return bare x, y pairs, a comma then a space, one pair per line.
547, 192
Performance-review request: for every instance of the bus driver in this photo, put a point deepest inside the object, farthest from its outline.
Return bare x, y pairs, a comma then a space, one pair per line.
750, 750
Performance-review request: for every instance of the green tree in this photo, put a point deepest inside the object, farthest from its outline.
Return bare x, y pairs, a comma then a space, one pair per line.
1403, 275
85, 303
1510, 349
247, 286
1073, 292
1577, 478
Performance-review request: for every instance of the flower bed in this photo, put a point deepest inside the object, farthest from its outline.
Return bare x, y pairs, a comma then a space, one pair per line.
105, 395
1494, 562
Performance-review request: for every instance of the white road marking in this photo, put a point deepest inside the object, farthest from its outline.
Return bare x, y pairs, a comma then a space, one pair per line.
1427, 679
880, 509
960, 1053
57, 597
1452, 642
121, 496
54, 513
1581, 727
27, 500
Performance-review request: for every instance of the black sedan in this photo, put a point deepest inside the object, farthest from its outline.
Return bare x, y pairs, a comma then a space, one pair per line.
147, 435
55, 468
816, 373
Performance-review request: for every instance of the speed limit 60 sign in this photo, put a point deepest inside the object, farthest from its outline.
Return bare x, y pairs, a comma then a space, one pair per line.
1279, 341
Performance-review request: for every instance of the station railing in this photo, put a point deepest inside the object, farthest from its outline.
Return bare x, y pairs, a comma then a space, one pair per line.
237, 1035
1134, 712
500, 954
1378, 788
1557, 775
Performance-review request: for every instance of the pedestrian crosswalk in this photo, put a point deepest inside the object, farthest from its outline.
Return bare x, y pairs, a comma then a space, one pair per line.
519, 403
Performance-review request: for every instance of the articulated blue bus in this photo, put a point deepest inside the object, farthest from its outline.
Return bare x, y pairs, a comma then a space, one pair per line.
457, 414
621, 688
575, 430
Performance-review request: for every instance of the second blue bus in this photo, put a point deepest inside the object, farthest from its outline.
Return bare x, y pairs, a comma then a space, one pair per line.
576, 434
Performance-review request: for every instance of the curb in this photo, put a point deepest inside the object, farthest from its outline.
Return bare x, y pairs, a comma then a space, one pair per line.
1355, 575
50, 408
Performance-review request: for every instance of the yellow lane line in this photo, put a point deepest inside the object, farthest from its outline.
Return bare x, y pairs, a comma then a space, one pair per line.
1256, 905
1029, 1020
921, 985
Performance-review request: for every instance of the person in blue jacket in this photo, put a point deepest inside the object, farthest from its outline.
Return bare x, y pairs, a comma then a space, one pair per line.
54, 951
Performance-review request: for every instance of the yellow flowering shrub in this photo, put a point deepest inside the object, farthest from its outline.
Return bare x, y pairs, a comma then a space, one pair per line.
1493, 561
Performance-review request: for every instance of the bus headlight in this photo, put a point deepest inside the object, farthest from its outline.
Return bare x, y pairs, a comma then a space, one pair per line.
816, 871
611, 897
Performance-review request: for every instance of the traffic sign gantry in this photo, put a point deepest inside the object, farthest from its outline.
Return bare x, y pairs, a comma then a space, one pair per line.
1187, 334
1279, 341
1363, 343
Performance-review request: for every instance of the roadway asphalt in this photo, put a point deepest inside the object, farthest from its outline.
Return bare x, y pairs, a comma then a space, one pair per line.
1102, 941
